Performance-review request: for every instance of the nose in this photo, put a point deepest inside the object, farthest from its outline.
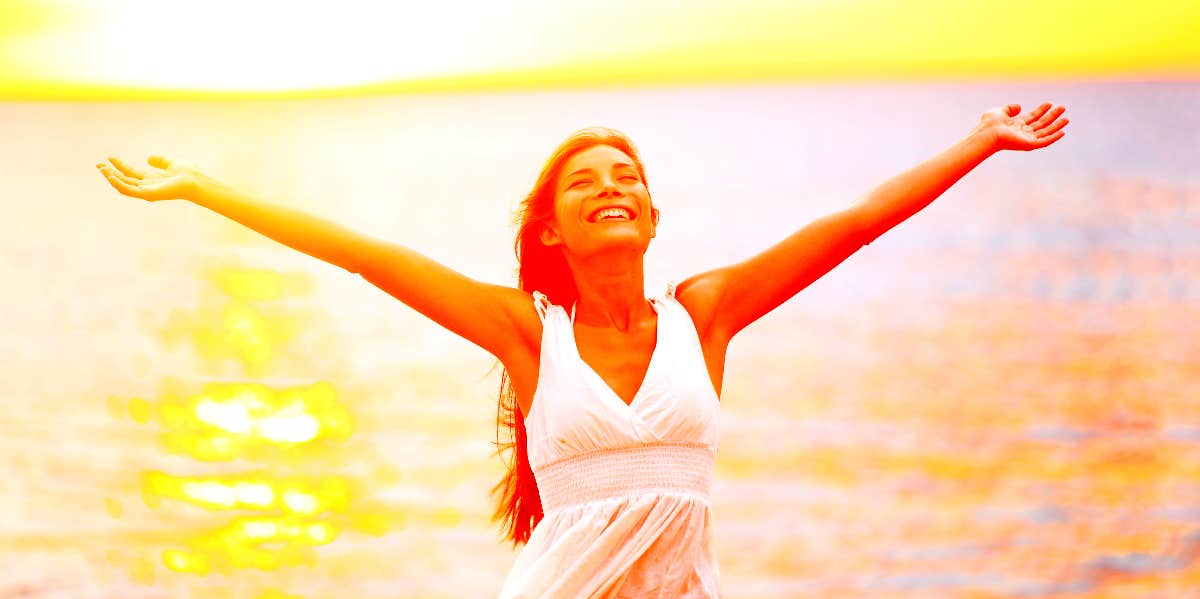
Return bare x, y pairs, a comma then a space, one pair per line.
608, 187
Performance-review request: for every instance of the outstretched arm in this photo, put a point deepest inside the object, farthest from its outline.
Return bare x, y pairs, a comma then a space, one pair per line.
179, 179
740, 294
485, 314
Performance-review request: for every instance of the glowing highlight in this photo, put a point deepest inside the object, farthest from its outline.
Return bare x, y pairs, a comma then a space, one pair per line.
130, 48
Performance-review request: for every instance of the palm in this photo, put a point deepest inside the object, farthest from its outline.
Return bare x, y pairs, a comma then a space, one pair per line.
1037, 129
167, 180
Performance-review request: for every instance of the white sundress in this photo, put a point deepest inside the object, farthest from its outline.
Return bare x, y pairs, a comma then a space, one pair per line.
625, 488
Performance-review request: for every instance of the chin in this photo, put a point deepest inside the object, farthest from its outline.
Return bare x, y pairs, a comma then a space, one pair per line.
627, 244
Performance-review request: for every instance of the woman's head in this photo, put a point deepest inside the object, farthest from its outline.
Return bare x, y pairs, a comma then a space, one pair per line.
593, 169
602, 210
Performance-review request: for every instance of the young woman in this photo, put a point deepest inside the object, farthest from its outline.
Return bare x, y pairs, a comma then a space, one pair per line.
610, 397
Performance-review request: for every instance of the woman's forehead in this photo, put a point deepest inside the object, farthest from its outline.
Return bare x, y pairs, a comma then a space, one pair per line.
602, 156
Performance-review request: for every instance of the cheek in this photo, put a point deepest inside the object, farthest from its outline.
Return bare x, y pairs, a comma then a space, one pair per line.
565, 220
560, 207
568, 206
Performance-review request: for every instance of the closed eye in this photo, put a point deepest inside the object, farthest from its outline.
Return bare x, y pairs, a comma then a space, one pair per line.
578, 182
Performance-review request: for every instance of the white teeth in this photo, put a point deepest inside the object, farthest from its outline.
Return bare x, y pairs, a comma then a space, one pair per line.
612, 212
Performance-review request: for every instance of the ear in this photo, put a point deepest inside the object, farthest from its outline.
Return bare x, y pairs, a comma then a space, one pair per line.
550, 236
654, 216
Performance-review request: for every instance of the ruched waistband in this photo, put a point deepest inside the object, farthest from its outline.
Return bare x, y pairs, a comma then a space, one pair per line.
635, 470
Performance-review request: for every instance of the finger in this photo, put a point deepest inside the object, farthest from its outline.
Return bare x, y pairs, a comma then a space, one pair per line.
1045, 141
159, 161
1036, 113
115, 179
111, 172
1048, 118
1053, 128
126, 184
113, 175
125, 168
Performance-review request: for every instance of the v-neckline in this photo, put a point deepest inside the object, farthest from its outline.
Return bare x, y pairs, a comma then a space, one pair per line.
649, 366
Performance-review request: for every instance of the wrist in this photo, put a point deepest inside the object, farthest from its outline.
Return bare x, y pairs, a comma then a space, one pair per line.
984, 139
200, 188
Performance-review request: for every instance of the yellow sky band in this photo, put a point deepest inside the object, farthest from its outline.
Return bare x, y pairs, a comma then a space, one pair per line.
135, 49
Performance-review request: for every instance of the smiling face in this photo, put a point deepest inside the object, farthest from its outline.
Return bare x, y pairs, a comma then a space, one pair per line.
601, 205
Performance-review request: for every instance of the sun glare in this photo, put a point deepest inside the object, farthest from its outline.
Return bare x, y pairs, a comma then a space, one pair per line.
272, 47
224, 45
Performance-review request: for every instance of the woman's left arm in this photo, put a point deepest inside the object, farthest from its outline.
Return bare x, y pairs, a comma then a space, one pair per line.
742, 293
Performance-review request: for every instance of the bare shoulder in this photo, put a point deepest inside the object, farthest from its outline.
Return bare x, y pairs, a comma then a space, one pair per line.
701, 295
518, 304
521, 356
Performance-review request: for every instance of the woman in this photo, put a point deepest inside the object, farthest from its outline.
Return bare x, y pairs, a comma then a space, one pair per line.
610, 489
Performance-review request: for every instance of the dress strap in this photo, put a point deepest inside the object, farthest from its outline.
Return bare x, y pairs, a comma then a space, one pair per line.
541, 303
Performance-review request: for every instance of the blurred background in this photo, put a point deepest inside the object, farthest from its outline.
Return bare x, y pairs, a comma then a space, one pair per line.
998, 398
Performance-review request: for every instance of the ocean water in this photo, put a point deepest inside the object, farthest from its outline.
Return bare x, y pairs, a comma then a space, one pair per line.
998, 398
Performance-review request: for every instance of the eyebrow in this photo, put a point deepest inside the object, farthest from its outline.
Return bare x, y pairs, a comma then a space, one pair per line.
587, 170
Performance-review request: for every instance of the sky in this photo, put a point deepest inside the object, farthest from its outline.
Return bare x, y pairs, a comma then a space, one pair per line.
104, 49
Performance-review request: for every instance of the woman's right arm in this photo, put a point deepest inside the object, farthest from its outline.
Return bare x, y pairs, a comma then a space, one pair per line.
494, 317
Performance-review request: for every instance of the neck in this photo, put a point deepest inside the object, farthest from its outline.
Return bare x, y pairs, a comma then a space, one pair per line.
611, 296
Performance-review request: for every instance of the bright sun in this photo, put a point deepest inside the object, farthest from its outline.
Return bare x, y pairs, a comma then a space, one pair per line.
269, 46
264, 46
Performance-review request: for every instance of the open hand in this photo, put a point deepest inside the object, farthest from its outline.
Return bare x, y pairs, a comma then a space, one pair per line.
1038, 129
166, 180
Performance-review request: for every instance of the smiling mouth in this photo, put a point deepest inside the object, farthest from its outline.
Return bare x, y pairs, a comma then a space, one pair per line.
613, 214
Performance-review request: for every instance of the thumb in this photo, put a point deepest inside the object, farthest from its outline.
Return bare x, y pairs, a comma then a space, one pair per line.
1012, 109
159, 161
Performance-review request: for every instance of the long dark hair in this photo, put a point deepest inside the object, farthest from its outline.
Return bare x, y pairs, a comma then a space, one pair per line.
539, 268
